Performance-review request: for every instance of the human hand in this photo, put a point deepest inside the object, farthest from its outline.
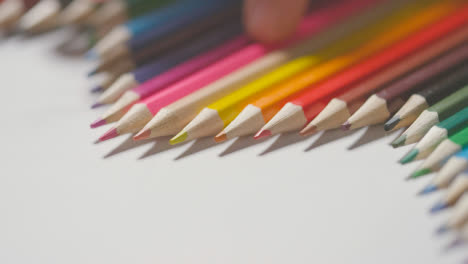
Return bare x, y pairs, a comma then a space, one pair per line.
273, 20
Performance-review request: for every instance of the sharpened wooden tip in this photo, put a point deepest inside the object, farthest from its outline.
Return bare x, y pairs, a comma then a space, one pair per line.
144, 134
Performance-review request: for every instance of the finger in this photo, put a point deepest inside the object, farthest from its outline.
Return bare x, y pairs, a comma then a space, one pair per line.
273, 20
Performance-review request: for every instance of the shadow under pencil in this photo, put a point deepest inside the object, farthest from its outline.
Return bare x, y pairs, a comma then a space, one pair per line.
198, 146
242, 143
285, 140
330, 136
161, 145
371, 134
128, 144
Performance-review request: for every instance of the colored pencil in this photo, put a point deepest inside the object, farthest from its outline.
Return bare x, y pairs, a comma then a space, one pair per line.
154, 43
321, 19
437, 134
170, 17
454, 166
43, 16
458, 218
308, 26
12, 10
375, 110
143, 111
151, 85
340, 108
216, 116
305, 106
224, 41
443, 151
174, 117
454, 192
77, 12
432, 116
427, 97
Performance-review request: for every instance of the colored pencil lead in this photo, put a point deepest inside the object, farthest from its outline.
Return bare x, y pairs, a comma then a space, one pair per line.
438, 207
400, 141
179, 138
410, 156
98, 123
443, 229
96, 105
263, 134
309, 130
97, 89
112, 133
346, 126
428, 189
392, 123
143, 134
221, 137
419, 173
92, 73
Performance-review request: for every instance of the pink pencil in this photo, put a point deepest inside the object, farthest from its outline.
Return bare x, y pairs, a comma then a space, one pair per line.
313, 23
142, 112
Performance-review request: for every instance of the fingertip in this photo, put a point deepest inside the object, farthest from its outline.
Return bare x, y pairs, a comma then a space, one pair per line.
270, 21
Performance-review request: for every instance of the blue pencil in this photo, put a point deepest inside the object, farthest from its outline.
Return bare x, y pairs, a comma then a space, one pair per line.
162, 18
454, 166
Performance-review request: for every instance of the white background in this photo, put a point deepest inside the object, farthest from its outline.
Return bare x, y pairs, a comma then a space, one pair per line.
62, 201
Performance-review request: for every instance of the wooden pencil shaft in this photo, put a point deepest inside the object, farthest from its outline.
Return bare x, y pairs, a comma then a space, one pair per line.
447, 84
456, 122
451, 104
460, 138
392, 72
177, 41
426, 74
186, 52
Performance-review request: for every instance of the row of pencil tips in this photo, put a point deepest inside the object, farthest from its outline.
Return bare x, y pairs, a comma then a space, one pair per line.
188, 69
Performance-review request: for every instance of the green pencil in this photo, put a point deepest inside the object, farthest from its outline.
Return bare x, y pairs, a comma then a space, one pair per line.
432, 116
446, 149
436, 135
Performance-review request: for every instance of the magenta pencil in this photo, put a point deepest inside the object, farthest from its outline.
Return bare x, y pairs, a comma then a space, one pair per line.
312, 24
143, 111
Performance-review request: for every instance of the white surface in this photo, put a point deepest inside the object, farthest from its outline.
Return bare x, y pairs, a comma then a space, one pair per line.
62, 202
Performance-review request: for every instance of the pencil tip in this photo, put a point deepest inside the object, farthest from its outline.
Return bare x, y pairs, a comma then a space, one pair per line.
308, 131
400, 141
109, 135
91, 55
179, 138
442, 229
428, 189
96, 105
263, 134
346, 126
92, 73
392, 123
439, 207
144, 134
97, 89
419, 173
98, 123
221, 137
409, 157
